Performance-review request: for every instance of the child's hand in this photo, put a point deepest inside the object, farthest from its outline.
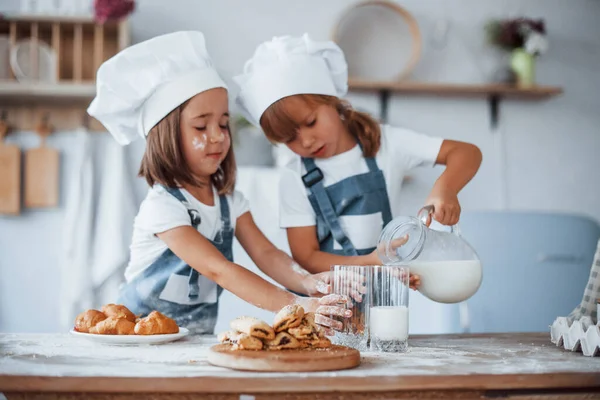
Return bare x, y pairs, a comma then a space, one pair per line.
446, 208
318, 285
373, 258
326, 307
414, 280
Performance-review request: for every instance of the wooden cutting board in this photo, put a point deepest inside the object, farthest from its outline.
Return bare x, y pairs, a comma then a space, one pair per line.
41, 174
305, 360
10, 176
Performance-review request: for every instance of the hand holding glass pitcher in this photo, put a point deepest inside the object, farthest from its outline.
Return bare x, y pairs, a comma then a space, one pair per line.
449, 268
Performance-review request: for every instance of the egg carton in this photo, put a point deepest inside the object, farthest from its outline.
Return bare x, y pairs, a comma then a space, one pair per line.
581, 335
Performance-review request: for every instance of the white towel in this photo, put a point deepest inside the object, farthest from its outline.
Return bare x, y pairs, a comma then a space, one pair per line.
76, 292
591, 293
116, 210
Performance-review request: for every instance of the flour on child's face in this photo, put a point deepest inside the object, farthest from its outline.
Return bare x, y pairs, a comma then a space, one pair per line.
204, 130
199, 144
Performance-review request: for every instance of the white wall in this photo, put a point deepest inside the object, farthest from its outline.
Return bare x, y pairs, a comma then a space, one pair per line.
550, 161
542, 157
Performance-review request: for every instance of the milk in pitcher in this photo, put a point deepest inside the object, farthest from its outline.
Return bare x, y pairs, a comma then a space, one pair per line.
448, 281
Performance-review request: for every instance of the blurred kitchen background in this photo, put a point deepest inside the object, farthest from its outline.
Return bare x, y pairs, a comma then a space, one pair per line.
531, 212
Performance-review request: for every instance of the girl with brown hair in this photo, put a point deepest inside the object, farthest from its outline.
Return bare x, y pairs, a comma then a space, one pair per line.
167, 91
345, 186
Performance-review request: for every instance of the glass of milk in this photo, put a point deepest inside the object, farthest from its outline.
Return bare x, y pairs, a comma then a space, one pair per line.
353, 282
388, 319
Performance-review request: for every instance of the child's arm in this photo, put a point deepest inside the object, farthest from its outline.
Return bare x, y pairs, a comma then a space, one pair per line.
305, 249
274, 262
462, 160
200, 254
193, 248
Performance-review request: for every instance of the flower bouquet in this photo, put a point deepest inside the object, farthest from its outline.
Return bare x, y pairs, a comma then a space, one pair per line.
525, 39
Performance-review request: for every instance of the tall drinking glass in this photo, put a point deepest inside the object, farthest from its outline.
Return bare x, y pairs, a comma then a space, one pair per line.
388, 319
353, 282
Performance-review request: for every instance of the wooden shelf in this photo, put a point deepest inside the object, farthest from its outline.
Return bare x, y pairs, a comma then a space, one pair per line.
80, 45
448, 89
16, 92
50, 18
493, 92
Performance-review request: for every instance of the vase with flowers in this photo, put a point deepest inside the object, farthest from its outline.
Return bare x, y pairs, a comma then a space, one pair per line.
525, 39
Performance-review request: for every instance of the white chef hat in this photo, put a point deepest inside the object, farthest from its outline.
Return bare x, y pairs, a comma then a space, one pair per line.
143, 83
285, 66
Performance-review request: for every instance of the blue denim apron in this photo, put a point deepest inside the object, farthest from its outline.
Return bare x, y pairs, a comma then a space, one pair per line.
193, 299
361, 194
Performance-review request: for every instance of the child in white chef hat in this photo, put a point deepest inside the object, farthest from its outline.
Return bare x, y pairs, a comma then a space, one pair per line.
167, 91
345, 186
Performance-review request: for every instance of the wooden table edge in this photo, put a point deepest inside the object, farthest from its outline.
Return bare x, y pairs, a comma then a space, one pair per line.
214, 384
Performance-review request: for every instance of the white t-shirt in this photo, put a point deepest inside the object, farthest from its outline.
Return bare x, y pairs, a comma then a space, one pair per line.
401, 150
161, 211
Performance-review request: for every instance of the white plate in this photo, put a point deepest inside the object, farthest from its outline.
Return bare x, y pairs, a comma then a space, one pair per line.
132, 339
21, 62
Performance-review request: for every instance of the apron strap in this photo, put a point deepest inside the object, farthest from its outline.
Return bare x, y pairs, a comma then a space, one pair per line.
175, 192
194, 288
194, 216
194, 276
313, 180
372, 164
225, 215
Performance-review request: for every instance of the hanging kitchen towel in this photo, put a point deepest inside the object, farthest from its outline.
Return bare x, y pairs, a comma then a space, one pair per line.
591, 294
115, 213
76, 292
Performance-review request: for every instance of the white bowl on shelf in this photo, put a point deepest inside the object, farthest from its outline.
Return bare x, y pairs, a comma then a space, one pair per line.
22, 63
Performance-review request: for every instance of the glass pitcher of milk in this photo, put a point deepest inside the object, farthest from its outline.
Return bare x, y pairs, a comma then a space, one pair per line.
449, 267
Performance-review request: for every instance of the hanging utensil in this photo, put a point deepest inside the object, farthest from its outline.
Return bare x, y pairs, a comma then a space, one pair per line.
10, 178
41, 171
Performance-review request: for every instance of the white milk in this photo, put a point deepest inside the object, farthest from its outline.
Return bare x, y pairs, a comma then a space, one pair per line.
389, 323
448, 281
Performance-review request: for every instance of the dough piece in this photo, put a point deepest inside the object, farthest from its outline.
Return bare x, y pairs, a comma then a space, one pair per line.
225, 337
88, 319
288, 317
306, 329
156, 324
253, 327
321, 343
309, 320
284, 340
302, 332
320, 333
243, 341
118, 311
113, 326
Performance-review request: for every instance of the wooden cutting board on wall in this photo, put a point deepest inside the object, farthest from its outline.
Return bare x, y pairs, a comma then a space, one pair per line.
42, 172
10, 176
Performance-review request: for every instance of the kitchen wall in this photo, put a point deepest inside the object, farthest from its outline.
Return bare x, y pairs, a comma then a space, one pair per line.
542, 156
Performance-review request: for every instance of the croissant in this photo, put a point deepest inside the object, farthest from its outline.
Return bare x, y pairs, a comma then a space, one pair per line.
156, 324
118, 311
88, 319
113, 326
